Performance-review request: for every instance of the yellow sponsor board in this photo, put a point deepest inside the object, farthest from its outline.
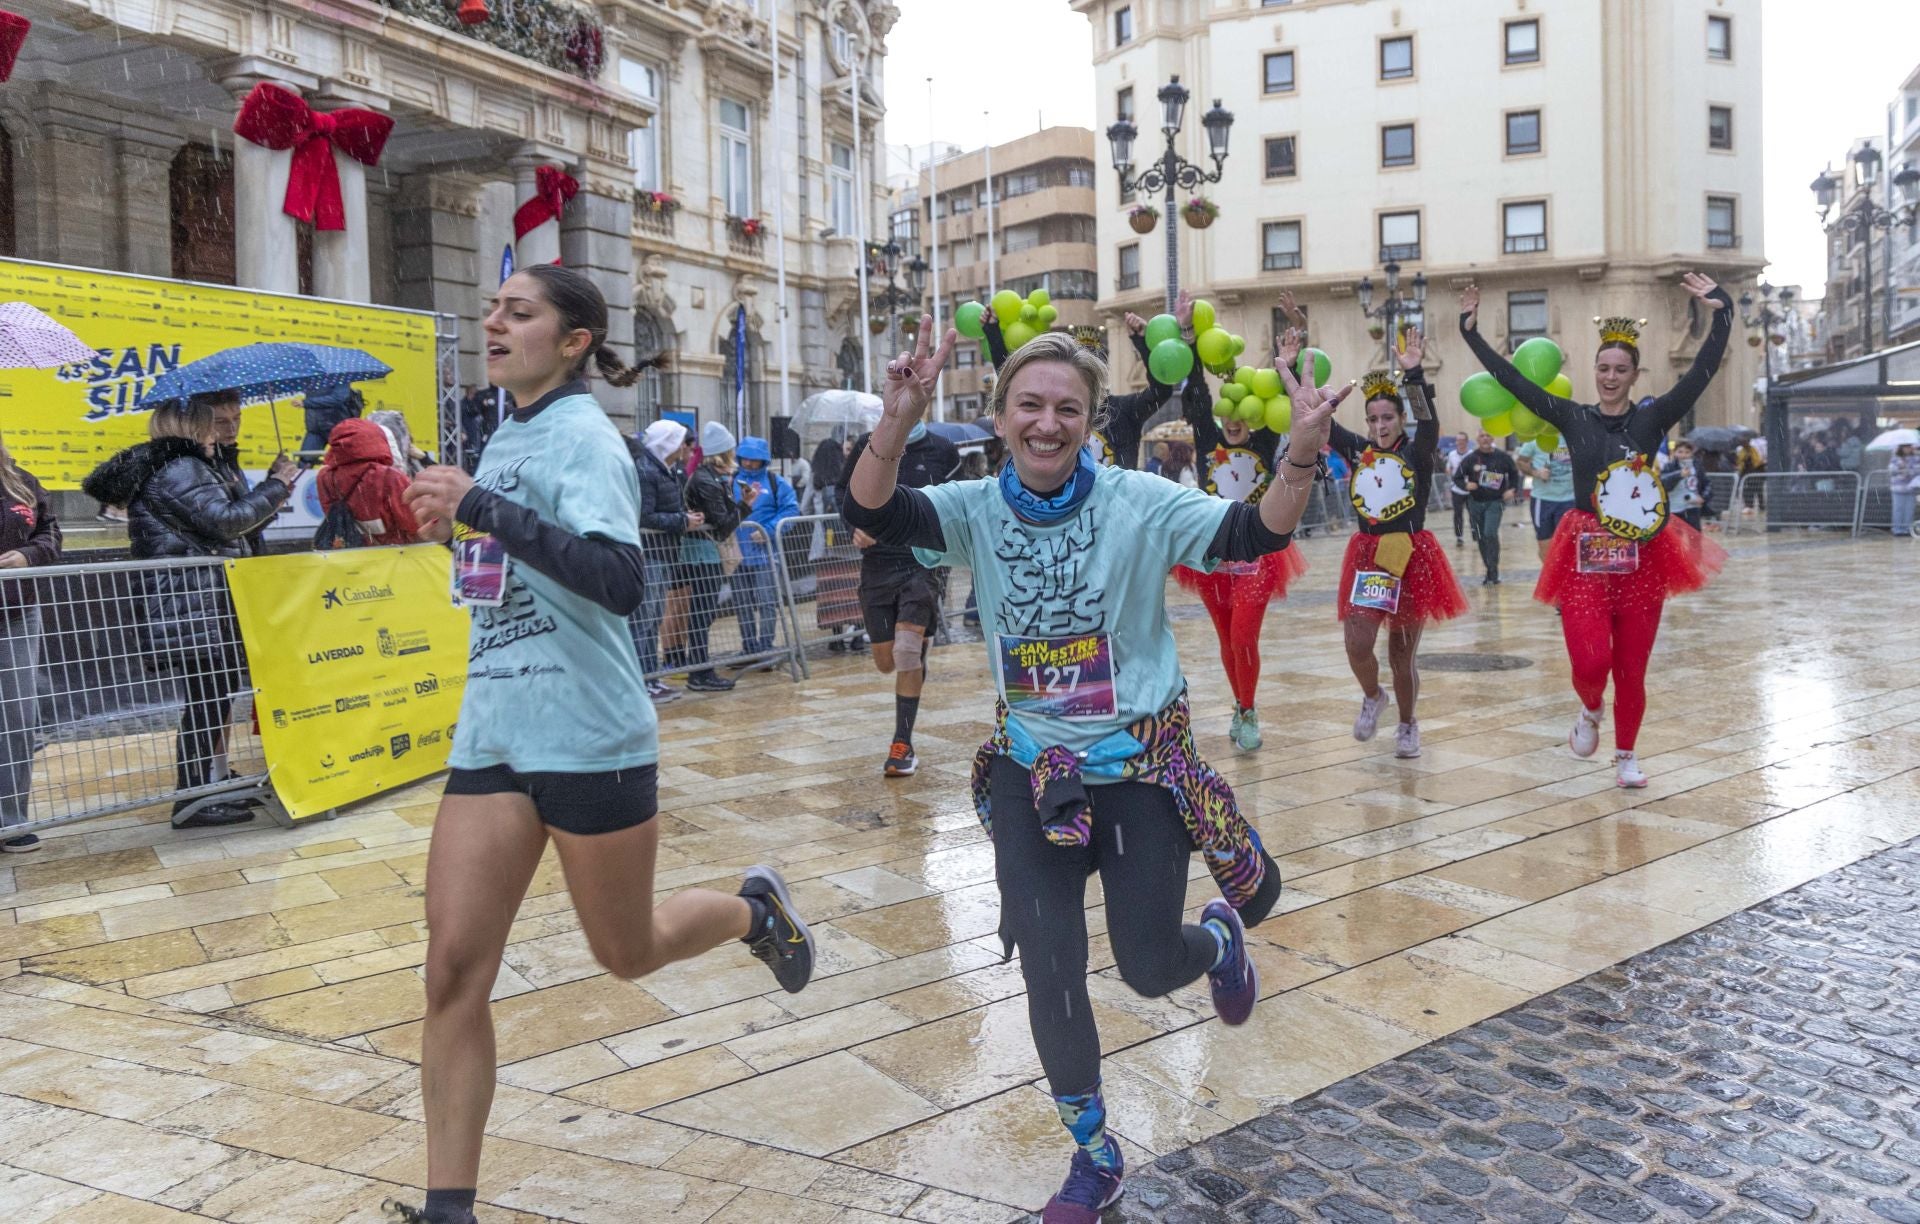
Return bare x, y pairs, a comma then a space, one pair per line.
359, 660
60, 423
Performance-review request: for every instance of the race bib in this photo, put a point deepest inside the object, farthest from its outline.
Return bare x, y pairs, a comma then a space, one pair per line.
1239, 569
1630, 500
479, 569
1375, 590
1383, 486
1602, 553
1064, 677
1490, 479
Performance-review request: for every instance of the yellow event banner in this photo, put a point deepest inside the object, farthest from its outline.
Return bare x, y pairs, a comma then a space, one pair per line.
359, 659
60, 423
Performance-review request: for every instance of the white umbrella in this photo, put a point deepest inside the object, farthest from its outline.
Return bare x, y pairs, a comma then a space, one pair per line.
1895, 438
31, 340
849, 413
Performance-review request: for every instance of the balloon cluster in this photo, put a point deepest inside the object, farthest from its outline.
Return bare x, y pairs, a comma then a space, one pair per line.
1500, 414
1216, 345
1021, 319
1259, 398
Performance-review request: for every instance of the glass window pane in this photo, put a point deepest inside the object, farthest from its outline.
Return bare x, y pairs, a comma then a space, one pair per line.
1720, 127
1720, 37
1280, 157
1523, 42
1396, 145
843, 156
1399, 229
1523, 132
1526, 219
733, 114
1396, 58
1279, 72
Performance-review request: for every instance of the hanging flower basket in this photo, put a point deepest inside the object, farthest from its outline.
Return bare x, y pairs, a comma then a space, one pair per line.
656, 201
910, 325
1755, 340
1143, 218
876, 324
1778, 337
1200, 212
1376, 330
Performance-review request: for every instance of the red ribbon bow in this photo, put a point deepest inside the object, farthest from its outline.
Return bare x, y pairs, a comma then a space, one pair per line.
278, 118
552, 188
13, 34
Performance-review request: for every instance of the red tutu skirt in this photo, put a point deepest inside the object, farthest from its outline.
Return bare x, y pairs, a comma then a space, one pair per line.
1246, 581
1428, 589
1676, 561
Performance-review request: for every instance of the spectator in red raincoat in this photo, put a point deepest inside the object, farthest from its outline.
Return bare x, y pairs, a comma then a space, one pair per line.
359, 468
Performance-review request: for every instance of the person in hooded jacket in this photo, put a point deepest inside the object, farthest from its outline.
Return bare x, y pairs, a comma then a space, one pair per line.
324, 410
710, 493
178, 506
359, 471
658, 455
770, 501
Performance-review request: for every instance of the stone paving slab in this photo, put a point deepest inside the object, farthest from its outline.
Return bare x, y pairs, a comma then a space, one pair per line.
1763, 1068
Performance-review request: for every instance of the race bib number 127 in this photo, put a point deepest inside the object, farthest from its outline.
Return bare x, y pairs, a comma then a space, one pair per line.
1064, 677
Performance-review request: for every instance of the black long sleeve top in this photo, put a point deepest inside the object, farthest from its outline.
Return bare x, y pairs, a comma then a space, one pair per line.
1421, 451
1595, 439
1117, 442
1237, 472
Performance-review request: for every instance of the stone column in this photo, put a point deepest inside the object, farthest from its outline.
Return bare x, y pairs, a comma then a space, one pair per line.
341, 258
434, 260
265, 242
596, 237
67, 213
542, 245
143, 196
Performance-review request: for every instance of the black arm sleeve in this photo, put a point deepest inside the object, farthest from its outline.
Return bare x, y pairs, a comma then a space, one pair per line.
1552, 409
1245, 536
906, 521
1675, 404
996, 339
1198, 412
608, 572
1346, 443
1426, 430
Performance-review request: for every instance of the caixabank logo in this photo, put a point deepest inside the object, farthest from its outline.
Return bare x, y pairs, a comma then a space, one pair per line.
348, 596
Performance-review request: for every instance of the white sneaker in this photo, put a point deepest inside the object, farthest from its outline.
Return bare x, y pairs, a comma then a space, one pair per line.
1626, 771
1406, 740
1584, 739
1369, 720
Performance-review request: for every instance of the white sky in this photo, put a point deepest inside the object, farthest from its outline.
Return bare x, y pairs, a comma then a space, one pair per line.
1000, 68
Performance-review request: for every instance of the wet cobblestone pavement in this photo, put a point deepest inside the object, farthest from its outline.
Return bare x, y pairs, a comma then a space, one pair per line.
1764, 1068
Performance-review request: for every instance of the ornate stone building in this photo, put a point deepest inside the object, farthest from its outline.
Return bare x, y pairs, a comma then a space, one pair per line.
117, 151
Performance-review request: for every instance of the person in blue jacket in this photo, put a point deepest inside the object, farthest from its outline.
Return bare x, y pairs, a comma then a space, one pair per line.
770, 500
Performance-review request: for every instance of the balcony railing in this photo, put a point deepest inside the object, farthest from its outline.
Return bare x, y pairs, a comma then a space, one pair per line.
1722, 240
1526, 244
654, 223
1127, 280
1281, 261
547, 32
745, 245
1402, 252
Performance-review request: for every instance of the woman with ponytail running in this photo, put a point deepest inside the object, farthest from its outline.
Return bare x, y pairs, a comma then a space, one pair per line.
1395, 573
557, 741
1092, 764
1620, 553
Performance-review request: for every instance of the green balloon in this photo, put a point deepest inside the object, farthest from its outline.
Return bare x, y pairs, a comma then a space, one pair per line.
1322, 367
1483, 396
1244, 376
1239, 345
1038, 298
1266, 383
1171, 361
1215, 346
1279, 414
969, 320
1049, 315
1234, 392
1203, 317
1222, 409
1019, 335
1006, 307
1526, 426
1540, 360
1161, 328
1029, 313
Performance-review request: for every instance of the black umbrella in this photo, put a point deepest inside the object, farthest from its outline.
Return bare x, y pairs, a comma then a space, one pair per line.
1724, 438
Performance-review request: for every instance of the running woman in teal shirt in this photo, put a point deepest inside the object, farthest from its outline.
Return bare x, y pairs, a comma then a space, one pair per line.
556, 740
1092, 764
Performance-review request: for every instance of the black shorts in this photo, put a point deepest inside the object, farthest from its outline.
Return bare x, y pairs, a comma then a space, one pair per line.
572, 802
898, 595
1547, 516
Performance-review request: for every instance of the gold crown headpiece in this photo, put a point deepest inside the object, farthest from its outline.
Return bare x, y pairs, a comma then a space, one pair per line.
1380, 384
1091, 337
1619, 330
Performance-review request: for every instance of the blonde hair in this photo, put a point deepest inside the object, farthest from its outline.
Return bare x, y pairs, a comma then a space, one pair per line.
191, 419
12, 481
1063, 348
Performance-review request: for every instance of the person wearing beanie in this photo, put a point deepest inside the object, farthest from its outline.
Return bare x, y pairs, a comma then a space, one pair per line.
709, 494
899, 597
769, 501
659, 455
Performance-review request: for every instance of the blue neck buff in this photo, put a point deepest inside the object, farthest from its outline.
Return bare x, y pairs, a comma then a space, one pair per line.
918, 432
1030, 507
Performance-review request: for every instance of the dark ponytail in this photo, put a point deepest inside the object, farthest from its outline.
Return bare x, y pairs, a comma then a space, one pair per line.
582, 308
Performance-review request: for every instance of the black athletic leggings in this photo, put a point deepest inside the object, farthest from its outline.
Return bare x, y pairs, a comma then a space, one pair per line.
1141, 849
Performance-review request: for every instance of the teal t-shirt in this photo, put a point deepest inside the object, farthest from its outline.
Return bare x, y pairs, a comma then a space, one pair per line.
1075, 613
1558, 487
554, 682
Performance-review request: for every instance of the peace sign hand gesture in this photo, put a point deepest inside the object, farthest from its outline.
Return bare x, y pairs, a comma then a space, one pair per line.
1702, 287
1312, 416
911, 376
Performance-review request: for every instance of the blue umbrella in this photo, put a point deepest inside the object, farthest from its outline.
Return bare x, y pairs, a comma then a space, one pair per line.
958, 432
267, 372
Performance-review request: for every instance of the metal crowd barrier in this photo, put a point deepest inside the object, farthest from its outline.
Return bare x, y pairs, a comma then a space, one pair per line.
1877, 500
1807, 499
823, 582
1723, 497
122, 685
715, 604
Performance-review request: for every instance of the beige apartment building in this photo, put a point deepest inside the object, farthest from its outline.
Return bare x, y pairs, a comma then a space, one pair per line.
1572, 157
1043, 237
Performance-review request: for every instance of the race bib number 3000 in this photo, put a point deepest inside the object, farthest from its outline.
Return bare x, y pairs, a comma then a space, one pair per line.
1064, 677
1375, 590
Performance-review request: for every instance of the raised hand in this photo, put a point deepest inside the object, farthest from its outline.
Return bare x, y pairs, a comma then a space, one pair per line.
1415, 350
1136, 326
1183, 310
910, 376
1291, 309
1286, 349
1313, 409
1702, 287
1470, 306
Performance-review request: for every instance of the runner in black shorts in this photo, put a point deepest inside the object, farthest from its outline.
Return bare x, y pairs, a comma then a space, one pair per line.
899, 597
557, 743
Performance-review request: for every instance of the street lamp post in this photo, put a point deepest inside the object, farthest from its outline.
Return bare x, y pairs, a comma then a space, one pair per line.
1395, 308
1773, 419
1172, 170
1861, 220
884, 265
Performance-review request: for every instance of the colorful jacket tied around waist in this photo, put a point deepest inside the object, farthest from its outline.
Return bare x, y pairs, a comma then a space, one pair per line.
1158, 750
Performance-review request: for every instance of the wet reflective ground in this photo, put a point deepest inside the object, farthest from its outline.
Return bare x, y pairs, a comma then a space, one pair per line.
224, 1024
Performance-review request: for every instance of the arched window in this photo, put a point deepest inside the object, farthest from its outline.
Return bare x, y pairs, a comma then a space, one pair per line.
6, 192
849, 363
653, 356
201, 189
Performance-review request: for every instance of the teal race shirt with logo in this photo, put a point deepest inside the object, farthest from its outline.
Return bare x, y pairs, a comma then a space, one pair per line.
1558, 487
1102, 572
554, 683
